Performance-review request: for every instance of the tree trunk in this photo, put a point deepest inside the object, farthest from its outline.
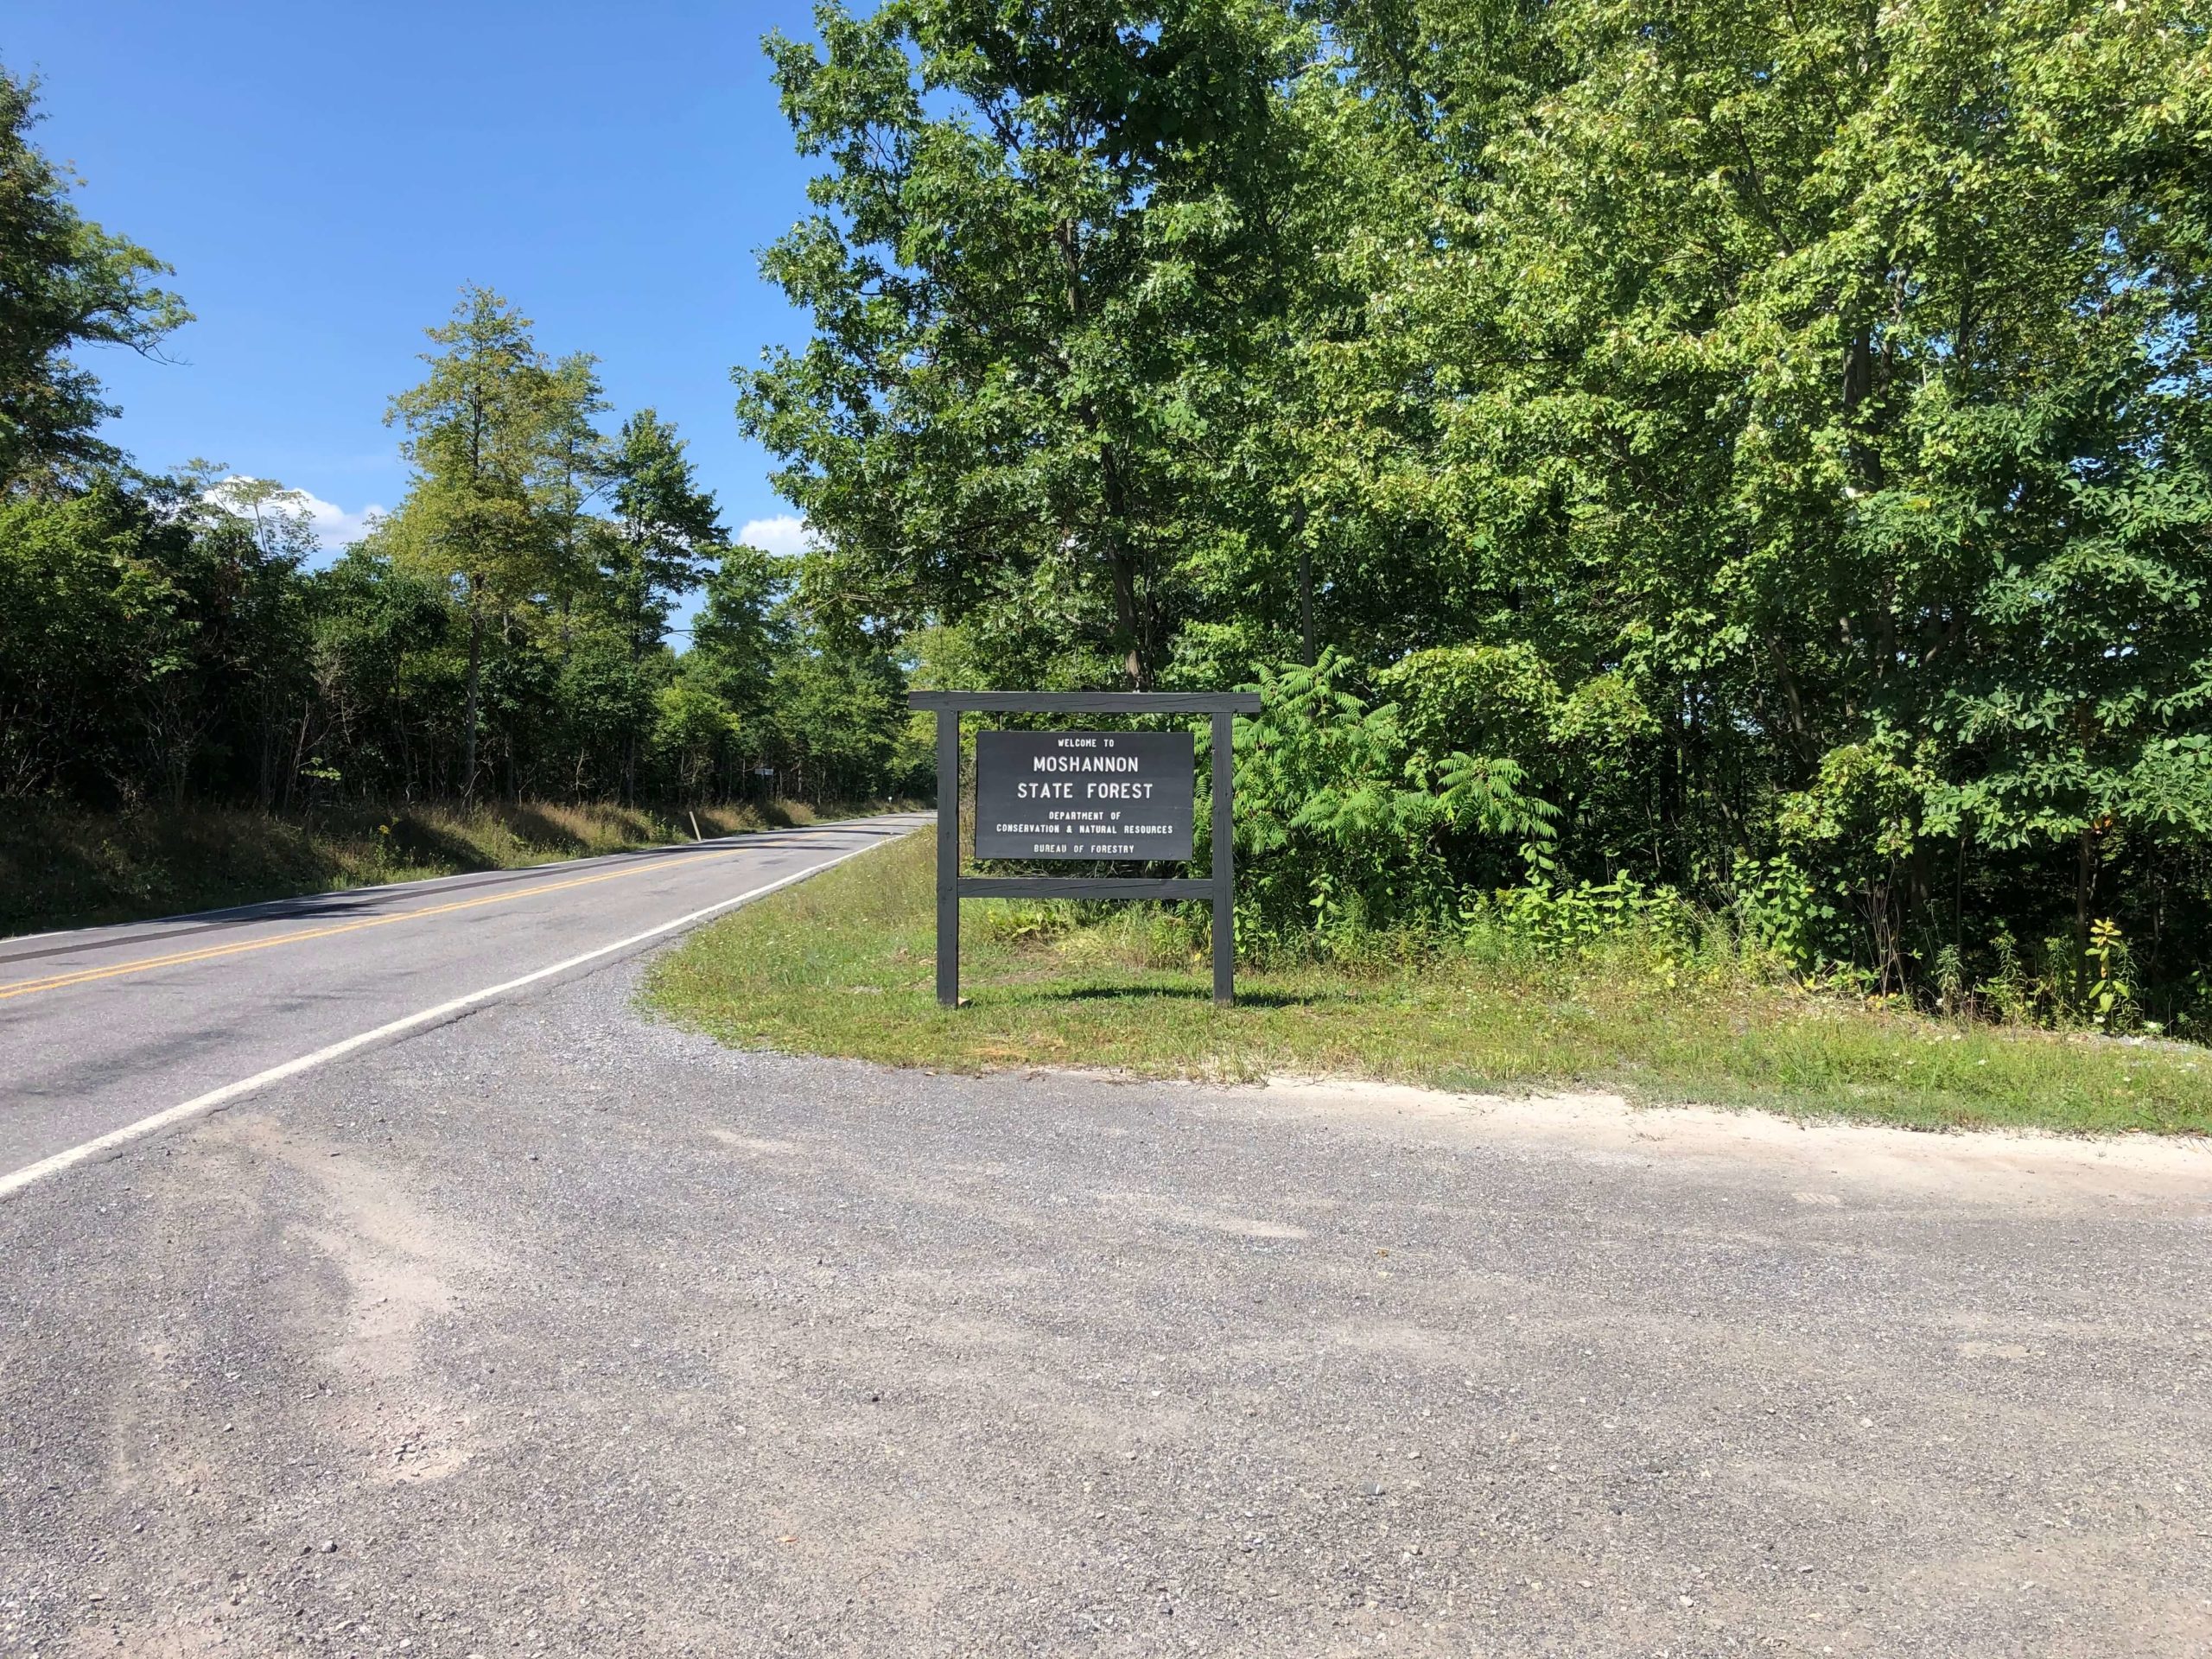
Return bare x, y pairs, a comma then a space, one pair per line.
399, 714
268, 791
476, 679
299, 752
1671, 784
637, 656
1310, 654
2085, 875
1122, 570
1125, 614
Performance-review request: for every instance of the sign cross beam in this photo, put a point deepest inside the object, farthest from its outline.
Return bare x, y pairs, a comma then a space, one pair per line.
1219, 885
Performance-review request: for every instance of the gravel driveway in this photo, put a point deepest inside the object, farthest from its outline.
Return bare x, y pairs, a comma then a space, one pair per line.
554, 1331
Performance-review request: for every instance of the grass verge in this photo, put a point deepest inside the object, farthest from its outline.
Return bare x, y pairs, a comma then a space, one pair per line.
63, 866
843, 965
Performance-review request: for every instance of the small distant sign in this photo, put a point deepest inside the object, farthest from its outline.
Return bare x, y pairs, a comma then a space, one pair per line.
1092, 795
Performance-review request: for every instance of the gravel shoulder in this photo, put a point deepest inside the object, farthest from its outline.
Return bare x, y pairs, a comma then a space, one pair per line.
557, 1329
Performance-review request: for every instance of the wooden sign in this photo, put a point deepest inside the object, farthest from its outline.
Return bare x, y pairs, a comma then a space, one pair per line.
1152, 788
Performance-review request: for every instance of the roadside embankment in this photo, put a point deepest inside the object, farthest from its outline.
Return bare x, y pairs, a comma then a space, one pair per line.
64, 867
843, 964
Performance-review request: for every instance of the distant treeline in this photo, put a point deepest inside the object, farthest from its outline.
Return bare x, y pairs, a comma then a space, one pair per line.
1758, 450
505, 630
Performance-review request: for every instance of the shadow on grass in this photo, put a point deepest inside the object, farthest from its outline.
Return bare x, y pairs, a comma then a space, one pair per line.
1182, 993
533, 827
427, 844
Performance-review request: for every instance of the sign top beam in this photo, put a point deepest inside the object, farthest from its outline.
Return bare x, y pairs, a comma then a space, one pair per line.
1091, 703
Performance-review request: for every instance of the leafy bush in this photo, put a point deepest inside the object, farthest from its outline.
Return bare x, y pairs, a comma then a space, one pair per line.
1345, 827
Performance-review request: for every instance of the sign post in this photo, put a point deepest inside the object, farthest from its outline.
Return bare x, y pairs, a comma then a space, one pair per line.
1084, 795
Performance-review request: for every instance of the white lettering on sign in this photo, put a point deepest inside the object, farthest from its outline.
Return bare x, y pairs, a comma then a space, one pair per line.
1083, 763
1048, 794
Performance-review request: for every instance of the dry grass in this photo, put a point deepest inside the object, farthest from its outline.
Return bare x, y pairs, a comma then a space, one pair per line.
63, 866
843, 965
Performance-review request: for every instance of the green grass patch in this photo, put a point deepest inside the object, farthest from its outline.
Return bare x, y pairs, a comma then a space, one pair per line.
844, 964
64, 867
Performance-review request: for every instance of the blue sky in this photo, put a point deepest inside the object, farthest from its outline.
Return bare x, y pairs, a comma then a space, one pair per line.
325, 178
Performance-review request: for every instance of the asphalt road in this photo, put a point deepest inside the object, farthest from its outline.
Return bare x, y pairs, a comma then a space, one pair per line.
558, 1331
102, 1027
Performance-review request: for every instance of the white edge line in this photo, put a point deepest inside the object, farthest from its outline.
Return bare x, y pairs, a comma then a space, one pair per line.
12, 1184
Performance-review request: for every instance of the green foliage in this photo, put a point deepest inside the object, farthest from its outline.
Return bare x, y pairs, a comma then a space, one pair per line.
1780, 910
499, 435
1047, 245
666, 533
1344, 825
147, 639
64, 282
1753, 453
1489, 699
165, 641
2110, 1001
841, 965
1836, 377
89, 629
692, 729
1772, 438
1655, 930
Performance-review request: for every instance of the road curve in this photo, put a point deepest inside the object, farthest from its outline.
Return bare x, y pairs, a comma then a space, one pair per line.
103, 1028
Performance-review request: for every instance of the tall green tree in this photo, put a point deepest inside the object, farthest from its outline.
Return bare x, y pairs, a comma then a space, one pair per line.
89, 623
573, 473
380, 646
265, 538
1778, 432
1046, 244
65, 284
743, 626
492, 432
667, 532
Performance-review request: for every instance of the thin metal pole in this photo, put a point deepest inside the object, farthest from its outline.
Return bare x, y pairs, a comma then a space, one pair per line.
1224, 866
947, 857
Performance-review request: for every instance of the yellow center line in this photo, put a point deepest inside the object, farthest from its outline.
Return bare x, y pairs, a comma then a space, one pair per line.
84, 975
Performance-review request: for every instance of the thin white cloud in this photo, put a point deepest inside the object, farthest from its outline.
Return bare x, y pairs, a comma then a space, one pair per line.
333, 526
785, 533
